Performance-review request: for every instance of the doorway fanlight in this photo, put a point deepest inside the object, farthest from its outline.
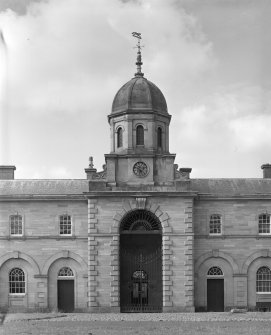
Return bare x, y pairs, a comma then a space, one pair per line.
140, 220
65, 272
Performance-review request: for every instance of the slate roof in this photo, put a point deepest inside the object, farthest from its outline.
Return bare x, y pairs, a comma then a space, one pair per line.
232, 187
220, 187
43, 186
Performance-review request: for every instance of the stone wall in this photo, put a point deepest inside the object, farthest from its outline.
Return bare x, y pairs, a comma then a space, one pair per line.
239, 251
41, 252
175, 215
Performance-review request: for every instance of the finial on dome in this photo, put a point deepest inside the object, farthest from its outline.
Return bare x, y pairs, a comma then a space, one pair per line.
138, 59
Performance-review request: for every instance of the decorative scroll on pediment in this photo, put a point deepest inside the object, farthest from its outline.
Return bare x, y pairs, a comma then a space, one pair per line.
182, 173
100, 175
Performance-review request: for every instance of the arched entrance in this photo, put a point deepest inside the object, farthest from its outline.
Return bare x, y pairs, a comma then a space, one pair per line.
140, 262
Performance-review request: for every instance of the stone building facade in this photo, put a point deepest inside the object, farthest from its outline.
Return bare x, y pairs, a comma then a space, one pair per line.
139, 236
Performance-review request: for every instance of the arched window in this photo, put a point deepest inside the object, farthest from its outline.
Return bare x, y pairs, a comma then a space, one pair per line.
65, 225
139, 135
215, 271
16, 281
263, 280
215, 224
65, 272
264, 224
119, 138
159, 137
16, 225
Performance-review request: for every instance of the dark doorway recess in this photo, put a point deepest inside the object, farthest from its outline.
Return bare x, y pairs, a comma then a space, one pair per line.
140, 263
65, 292
215, 295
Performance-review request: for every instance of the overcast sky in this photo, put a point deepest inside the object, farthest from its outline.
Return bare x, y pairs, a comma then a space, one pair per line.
64, 60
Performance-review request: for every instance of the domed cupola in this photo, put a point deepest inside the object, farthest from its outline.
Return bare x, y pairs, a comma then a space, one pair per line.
139, 124
137, 95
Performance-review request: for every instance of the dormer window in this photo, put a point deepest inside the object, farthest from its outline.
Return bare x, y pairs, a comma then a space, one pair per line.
159, 137
120, 138
139, 135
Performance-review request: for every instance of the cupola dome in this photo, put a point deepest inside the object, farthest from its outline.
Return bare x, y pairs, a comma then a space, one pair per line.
139, 94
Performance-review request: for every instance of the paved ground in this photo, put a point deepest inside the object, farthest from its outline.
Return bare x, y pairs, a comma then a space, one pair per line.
128, 324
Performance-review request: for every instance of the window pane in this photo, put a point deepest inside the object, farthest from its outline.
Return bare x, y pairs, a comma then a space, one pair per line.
65, 226
16, 281
16, 224
263, 280
264, 224
215, 224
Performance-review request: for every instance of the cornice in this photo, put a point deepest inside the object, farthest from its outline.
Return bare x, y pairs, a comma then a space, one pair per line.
42, 197
141, 155
139, 193
215, 197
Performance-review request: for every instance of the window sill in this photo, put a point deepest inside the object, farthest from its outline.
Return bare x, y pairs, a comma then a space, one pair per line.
268, 293
16, 237
16, 295
66, 237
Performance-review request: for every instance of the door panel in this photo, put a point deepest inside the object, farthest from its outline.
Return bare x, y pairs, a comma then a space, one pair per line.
215, 295
65, 291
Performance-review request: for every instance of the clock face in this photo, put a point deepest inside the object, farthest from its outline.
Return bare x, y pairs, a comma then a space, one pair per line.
140, 169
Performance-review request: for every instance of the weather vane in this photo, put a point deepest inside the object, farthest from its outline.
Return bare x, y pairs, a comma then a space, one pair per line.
138, 59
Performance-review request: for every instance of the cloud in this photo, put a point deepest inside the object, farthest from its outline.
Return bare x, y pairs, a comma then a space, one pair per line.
63, 57
228, 129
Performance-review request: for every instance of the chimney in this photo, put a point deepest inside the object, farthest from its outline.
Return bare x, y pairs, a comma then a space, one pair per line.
7, 172
266, 170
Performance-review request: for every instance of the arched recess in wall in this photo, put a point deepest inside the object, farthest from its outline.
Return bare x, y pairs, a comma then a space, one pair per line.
64, 254
20, 255
217, 254
264, 253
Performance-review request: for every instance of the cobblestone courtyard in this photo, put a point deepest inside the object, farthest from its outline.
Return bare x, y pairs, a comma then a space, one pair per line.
158, 324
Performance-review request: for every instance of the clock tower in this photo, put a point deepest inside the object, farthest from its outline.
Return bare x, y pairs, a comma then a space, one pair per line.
139, 124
